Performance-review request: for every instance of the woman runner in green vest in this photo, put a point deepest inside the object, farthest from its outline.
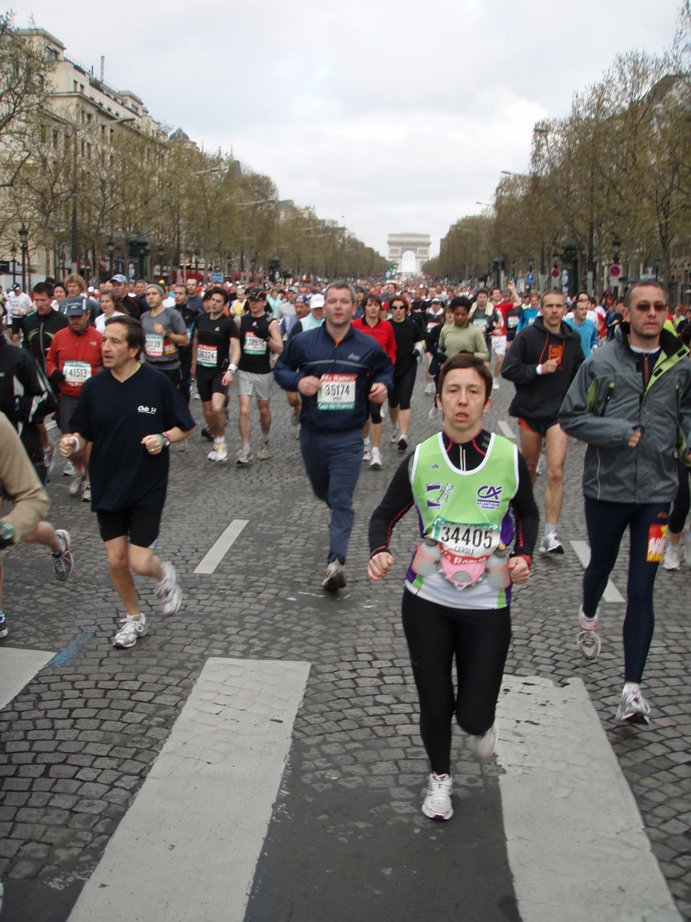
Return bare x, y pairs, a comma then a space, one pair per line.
468, 485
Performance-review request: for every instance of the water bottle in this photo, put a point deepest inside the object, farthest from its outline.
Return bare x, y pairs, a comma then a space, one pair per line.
426, 557
497, 568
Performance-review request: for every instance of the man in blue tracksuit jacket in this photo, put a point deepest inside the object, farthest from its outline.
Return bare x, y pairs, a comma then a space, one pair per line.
337, 371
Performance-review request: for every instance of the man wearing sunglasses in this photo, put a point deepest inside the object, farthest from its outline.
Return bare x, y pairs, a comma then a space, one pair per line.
630, 401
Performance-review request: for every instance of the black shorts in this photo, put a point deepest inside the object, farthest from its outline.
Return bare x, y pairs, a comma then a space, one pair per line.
209, 382
537, 425
140, 524
402, 390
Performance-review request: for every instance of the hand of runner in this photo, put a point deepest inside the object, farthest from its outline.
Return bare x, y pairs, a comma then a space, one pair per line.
377, 393
549, 367
68, 446
153, 444
380, 565
519, 570
635, 438
309, 385
227, 378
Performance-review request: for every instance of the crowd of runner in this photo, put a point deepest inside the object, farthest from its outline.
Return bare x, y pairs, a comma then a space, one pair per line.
119, 368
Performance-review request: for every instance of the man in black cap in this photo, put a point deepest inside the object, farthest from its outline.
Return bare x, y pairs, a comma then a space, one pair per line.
130, 305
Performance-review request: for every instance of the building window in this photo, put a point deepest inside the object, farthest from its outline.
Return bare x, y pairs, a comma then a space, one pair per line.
74, 86
56, 138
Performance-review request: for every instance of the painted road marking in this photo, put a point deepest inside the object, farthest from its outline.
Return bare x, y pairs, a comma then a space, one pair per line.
506, 430
209, 563
575, 839
188, 845
582, 551
17, 669
73, 648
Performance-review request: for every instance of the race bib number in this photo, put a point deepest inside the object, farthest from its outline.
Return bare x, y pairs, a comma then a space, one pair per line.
337, 392
254, 345
207, 356
480, 324
512, 322
153, 345
431, 326
475, 541
76, 372
656, 543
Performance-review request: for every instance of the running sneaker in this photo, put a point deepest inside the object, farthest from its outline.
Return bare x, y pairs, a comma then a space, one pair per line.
376, 462
168, 592
69, 470
402, 442
393, 438
335, 577
551, 544
207, 434
432, 411
295, 416
430, 388
437, 802
588, 640
483, 746
75, 488
538, 469
264, 454
367, 453
244, 457
48, 458
3, 626
672, 558
63, 563
86, 492
633, 708
219, 453
495, 385
133, 627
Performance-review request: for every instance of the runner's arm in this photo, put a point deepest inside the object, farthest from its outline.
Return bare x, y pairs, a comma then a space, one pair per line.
396, 502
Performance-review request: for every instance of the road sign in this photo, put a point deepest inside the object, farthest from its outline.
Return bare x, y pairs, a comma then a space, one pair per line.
614, 271
215, 276
555, 273
530, 278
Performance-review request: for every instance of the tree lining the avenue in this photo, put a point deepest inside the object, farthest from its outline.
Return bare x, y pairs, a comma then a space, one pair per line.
607, 185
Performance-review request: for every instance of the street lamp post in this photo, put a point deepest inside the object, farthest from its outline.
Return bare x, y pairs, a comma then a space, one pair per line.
160, 249
110, 248
13, 251
23, 238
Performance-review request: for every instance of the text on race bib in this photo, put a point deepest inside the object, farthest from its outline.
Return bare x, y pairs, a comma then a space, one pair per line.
76, 372
207, 356
476, 541
337, 392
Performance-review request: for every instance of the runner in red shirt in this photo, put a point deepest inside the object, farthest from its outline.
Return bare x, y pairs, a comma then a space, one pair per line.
382, 331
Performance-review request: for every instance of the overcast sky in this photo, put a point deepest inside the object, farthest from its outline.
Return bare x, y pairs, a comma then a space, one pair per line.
391, 116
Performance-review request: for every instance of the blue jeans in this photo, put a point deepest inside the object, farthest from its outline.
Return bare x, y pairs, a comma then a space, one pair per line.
333, 461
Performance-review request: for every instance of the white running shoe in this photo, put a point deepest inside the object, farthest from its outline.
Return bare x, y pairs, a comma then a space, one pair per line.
219, 453
62, 562
133, 627
430, 388
551, 544
633, 708
367, 453
334, 578
168, 592
264, 454
437, 802
376, 463
75, 488
393, 438
69, 470
483, 746
432, 411
588, 640
86, 491
672, 558
495, 385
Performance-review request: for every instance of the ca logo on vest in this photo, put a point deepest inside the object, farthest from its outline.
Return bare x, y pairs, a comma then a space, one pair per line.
488, 497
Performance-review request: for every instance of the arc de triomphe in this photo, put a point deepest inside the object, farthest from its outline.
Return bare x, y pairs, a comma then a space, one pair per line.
401, 243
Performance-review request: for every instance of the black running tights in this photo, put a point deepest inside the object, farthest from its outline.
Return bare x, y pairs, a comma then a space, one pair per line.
606, 524
479, 642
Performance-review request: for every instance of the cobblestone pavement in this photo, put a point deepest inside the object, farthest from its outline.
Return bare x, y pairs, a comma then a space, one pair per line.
78, 741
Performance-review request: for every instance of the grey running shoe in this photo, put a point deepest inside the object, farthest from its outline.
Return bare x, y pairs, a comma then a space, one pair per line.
63, 563
588, 640
168, 592
633, 708
483, 746
335, 577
